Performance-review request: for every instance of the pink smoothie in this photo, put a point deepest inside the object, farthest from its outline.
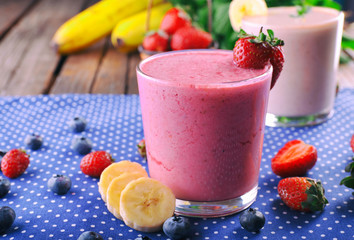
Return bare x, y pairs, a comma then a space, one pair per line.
307, 83
203, 122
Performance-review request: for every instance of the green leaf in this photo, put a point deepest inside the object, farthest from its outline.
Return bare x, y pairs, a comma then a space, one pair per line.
349, 167
348, 182
276, 3
332, 4
347, 42
271, 34
221, 21
344, 59
202, 18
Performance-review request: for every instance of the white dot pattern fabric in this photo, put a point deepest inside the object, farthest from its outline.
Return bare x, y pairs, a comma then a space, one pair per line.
114, 124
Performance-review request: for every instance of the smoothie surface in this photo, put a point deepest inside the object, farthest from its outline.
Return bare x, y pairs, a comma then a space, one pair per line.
197, 67
286, 17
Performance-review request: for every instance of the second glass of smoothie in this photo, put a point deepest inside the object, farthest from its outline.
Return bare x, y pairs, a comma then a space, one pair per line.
305, 91
204, 122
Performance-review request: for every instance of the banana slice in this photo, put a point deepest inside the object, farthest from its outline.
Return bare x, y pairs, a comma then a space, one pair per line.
240, 8
115, 170
115, 189
145, 204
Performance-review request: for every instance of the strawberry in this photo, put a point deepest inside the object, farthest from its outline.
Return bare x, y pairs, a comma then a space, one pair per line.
94, 163
257, 52
14, 163
302, 194
156, 41
277, 61
247, 54
295, 158
142, 148
190, 38
352, 143
174, 19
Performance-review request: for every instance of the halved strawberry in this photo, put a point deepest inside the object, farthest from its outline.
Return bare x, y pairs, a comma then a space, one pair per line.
302, 194
256, 52
294, 159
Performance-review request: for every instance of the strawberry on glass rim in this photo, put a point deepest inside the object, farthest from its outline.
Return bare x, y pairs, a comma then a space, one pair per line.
258, 51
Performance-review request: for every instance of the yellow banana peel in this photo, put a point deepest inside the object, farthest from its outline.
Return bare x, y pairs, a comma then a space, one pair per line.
129, 33
94, 23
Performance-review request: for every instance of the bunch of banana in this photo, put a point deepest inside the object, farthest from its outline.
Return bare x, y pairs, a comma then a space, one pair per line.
95, 23
129, 33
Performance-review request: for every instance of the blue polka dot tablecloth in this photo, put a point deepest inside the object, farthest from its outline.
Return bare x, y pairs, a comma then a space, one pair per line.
114, 124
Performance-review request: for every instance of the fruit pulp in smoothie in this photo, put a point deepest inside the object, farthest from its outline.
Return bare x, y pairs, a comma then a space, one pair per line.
203, 122
307, 83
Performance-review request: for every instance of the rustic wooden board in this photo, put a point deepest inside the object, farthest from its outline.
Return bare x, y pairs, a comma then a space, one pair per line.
11, 12
78, 73
111, 75
26, 60
132, 84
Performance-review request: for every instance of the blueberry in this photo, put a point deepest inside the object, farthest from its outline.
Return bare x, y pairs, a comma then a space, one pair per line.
4, 186
78, 124
252, 220
2, 153
143, 238
59, 184
7, 218
33, 141
176, 227
89, 235
81, 145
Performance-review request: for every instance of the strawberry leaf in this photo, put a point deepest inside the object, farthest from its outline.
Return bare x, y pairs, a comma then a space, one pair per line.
270, 34
316, 200
349, 167
348, 182
243, 34
262, 38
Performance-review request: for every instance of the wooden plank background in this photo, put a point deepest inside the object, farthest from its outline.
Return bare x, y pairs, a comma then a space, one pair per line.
29, 66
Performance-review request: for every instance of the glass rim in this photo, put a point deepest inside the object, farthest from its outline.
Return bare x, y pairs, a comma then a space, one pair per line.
268, 71
337, 18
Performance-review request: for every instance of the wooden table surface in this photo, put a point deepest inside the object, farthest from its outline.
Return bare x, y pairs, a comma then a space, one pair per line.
28, 66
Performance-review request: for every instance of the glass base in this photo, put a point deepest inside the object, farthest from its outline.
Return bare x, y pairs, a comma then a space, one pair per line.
215, 209
279, 121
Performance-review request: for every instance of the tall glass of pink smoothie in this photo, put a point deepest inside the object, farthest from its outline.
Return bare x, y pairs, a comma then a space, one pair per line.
204, 122
305, 91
